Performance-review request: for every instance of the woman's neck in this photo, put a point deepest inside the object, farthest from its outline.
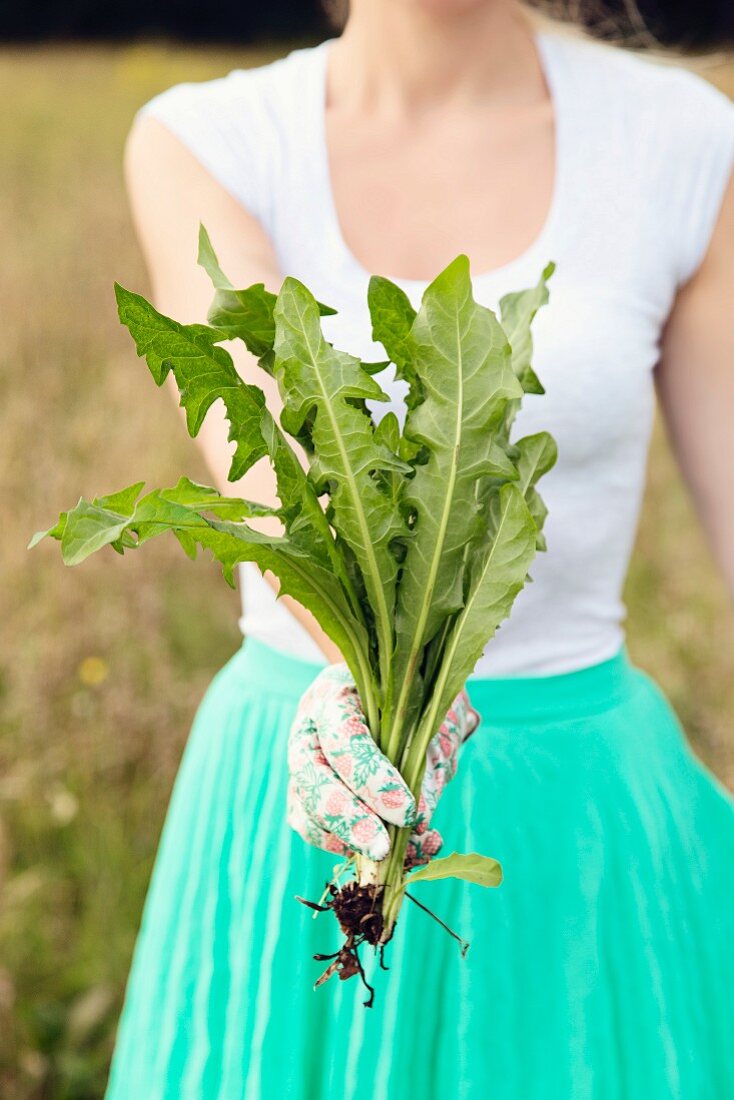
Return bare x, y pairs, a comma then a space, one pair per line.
400, 58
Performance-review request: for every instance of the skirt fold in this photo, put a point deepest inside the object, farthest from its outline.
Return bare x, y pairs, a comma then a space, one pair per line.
601, 969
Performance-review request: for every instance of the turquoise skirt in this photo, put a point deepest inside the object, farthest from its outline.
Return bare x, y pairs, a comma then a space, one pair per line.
601, 969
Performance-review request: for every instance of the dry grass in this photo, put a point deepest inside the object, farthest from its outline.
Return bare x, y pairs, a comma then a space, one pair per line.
100, 670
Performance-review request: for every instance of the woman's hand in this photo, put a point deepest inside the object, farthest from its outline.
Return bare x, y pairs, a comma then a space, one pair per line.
342, 789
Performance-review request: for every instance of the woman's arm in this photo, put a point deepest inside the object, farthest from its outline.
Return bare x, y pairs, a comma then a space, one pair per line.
170, 194
695, 384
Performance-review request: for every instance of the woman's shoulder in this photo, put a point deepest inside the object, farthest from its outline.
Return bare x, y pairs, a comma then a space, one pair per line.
241, 126
237, 96
663, 137
642, 83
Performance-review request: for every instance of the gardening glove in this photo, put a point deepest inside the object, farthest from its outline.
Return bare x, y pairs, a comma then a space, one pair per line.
342, 789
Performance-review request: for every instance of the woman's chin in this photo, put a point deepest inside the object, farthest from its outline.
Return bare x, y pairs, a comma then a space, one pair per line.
448, 7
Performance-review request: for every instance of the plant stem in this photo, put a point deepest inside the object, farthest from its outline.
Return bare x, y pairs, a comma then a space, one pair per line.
395, 722
394, 879
412, 768
367, 698
407, 749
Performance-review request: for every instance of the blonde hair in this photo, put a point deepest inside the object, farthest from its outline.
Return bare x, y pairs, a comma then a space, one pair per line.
622, 22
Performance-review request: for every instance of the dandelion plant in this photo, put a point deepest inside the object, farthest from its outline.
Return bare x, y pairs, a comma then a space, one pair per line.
408, 542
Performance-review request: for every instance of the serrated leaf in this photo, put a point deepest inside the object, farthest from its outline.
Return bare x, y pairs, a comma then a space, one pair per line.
88, 528
536, 455
115, 519
124, 501
302, 513
189, 494
425, 536
319, 386
472, 867
461, 357
387, 431
182, 509
188, 544
497, 573
314, 586
241, 314
204, 374
517, 311
246, 315
392, 316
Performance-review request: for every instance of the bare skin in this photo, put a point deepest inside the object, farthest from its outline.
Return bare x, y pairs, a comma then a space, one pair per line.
417, 91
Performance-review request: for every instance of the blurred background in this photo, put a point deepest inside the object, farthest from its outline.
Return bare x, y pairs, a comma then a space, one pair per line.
101, 668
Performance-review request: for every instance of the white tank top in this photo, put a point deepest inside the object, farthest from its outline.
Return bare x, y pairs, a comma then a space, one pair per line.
643, 155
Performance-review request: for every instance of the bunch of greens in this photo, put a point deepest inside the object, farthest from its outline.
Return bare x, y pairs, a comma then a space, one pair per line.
408, 546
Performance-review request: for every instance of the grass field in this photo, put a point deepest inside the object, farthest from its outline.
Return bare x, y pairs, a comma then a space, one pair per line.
100, 668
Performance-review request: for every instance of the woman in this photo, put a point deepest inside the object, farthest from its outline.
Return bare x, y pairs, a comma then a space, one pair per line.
602, 968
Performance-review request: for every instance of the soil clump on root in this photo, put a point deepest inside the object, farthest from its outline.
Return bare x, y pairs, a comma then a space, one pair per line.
357, 909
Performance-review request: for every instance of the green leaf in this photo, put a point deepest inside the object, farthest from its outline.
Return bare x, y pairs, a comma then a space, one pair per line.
204, 374
323, 392
471, 867
241, 314
517, 311
54, 532
207, 258
88, 528
461, 357
497, 573
124, 501
188, 543
302, 514
388, 432
189, 494
376, 368
183, 510
392, 319
409, 547
392, 482
536, 454
246, 315
313, 585
115, 519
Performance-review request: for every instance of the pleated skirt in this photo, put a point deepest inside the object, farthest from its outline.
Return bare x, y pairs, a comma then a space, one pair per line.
601, 969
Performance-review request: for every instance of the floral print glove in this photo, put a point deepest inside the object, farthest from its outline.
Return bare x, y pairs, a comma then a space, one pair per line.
342, 789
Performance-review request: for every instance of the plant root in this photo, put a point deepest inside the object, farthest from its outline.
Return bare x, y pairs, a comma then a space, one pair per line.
357, 909
463, 944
